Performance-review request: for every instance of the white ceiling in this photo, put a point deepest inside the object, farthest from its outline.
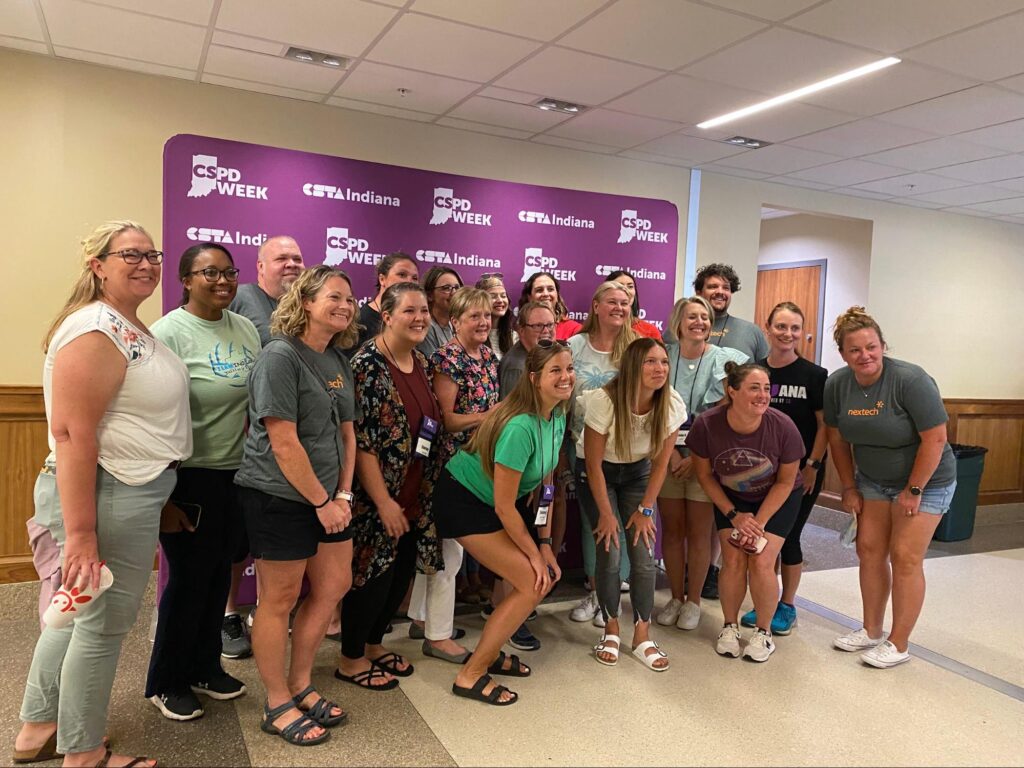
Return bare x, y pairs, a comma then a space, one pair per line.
942, 130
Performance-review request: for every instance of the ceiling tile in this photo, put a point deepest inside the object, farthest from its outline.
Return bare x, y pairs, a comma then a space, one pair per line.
1008, 136
932, 154
507, 94
981, 171
494, 130
778, 159
961, 111
1017, 185
1010, 207
725, 170
779, 60
538, 19
586, 146
574, 76
988, 52
380, 109
246, 43
659, 33
602, 126
379, 83
116, 61
104, 30
854, 192
773, 10
191, 11
21, 44
909, 183
344, 27
964, 211
860, 138
652, 158
1014, 83
524, 117
847, 172
686, 99
691, 148
18, 18
977, 193
916, 203
432, 45
893, 26
789, 181
273, 70
246, 85
786, 122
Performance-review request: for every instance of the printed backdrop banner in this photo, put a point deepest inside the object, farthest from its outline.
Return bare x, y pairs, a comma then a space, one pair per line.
351, 213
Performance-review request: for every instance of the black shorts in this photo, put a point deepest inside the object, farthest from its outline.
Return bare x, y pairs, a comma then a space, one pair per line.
457, 512
781, 522
282, 529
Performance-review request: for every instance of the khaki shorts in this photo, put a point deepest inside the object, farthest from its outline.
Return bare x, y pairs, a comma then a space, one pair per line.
683, 489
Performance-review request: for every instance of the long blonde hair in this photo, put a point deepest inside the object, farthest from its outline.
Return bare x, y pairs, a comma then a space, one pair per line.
522, 399
626, 334
88, 287
624, 392
291, 319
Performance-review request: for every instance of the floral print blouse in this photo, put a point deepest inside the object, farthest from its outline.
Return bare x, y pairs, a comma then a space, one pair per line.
477, 383
384, 431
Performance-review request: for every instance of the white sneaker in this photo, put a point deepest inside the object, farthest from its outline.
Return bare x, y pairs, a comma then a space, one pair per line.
586, 609
598, 620
857, 641
670, 613
729, 641
689, 616
624, 587
885, 655
759, 647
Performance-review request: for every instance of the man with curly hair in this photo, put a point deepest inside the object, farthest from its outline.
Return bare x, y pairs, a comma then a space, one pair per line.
717, 283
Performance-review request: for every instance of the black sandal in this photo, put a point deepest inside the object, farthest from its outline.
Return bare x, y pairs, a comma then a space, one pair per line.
362, 679
321, 711
477, 692
516, 667
389, 663
105, 760
295, 731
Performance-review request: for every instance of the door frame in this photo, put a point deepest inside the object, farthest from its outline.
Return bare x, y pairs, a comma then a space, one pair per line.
823, 263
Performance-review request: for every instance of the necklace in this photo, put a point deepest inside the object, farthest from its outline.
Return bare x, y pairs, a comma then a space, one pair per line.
868, 394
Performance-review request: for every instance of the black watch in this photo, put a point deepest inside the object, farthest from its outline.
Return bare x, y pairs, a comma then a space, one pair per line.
731, 513
546, 540
814, 463
915, 490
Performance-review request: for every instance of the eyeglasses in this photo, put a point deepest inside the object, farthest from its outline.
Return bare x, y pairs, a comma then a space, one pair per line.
447, 288
212, 274
132, 256
486, 275
548, 343
539, 326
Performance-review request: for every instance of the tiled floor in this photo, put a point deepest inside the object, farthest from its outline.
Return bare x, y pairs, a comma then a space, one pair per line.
809, 705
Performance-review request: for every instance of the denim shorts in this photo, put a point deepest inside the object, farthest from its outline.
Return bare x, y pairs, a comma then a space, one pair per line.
935, 500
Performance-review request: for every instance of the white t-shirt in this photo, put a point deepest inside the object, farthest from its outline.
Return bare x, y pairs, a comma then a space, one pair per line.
147, 424
600, 417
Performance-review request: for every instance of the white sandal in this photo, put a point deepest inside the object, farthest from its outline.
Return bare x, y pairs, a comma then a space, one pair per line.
648, 659
603, 647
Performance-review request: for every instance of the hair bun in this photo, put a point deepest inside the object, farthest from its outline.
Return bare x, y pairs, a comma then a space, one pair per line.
731, 366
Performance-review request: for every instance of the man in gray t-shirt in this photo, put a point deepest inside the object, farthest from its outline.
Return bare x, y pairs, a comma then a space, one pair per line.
717, 283
278, 265
535, 322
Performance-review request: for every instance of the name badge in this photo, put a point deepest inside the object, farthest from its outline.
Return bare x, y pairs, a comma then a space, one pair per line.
425, 441
547, 495
684, 430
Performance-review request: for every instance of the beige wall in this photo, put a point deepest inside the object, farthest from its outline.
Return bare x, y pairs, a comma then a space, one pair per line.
946, 289
844, 243
80, 144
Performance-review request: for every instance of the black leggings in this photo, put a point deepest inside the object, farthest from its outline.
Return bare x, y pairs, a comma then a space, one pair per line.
367, 611
792, 554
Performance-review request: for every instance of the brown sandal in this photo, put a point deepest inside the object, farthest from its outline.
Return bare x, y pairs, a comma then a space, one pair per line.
105, 761
48, 751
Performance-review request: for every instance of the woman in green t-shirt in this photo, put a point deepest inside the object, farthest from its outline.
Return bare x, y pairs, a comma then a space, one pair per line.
486, 491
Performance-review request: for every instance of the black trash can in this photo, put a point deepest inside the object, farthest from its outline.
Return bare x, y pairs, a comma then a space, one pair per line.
958, 523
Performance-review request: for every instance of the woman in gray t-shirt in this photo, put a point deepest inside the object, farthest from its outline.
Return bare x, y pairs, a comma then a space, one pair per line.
887, 434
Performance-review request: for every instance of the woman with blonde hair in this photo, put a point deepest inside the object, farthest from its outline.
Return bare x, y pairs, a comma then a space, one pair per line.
296, 491
887, 433
117, 408
503, 335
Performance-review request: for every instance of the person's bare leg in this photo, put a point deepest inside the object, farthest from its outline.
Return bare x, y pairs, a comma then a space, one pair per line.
732, 581
874, 528
673, 544
700, 528
791, 582
910, 539
764, 585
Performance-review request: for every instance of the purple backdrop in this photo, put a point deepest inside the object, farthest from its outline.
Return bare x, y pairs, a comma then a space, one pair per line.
351, 213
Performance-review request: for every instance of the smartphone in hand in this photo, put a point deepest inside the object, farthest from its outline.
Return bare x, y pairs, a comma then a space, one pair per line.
192, 511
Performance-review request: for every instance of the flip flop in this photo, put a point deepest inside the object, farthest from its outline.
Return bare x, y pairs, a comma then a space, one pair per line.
516, 667
293, 733
389, 663
362, 679
603, 647
477, 692
320, 712
437, 653
648, 660
105, 760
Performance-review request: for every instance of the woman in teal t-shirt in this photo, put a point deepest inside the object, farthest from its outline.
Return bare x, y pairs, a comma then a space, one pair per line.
483, 500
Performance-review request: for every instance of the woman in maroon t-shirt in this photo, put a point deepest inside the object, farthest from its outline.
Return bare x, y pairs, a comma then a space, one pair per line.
746, 456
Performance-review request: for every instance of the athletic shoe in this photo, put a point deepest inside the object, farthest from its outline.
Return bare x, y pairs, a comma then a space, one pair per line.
532, 616
178, 706
586, 609
624, 587
234, 641
251, 617
728, 641
760, 646
689, 616
749, 619
486, 611
222, 687
710, 590
670, 613
884, 655
857, 641
598, 620
784, 619
524, 640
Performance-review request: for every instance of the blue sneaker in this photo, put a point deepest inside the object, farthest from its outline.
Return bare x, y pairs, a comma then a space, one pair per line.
524, 640
750, 619
784, 619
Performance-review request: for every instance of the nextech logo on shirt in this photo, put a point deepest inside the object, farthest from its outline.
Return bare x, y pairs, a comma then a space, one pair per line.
554, 220
867, 411
633, 228
208, 176
535, 261
368, 196
226, 236
447, 208
341, 248
458, 259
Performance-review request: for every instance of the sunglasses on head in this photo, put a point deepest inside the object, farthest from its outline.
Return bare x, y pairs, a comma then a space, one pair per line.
549, 343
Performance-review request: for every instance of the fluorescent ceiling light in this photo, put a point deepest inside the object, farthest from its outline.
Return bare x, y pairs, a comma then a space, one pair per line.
799, 93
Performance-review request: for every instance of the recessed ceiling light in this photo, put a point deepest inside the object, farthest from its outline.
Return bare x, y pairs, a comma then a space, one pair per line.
800, 92
743, 141
316, 57
554, 105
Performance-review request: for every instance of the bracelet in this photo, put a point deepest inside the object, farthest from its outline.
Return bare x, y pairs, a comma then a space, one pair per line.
344, 496
326, 502
546, 540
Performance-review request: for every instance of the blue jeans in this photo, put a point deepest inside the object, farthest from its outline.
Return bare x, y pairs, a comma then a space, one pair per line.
626, 484
72, 670
934, 500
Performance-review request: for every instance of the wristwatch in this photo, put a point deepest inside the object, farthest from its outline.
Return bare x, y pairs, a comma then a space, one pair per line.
915, 490
345, 496
731, 513
546, 540
645, 511
814, 463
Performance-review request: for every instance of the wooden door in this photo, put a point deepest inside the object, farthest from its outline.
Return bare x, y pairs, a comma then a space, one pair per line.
800, 285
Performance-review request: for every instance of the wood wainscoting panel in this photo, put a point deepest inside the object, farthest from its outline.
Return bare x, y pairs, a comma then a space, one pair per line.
23, 446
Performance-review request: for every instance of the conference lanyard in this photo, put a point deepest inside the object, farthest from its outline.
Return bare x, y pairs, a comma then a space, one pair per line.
547, 494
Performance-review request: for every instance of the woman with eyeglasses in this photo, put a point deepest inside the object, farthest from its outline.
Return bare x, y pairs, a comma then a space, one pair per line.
296, 481
544, 287
625, 278
503, 334
118, 414
440, 284
202, 531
